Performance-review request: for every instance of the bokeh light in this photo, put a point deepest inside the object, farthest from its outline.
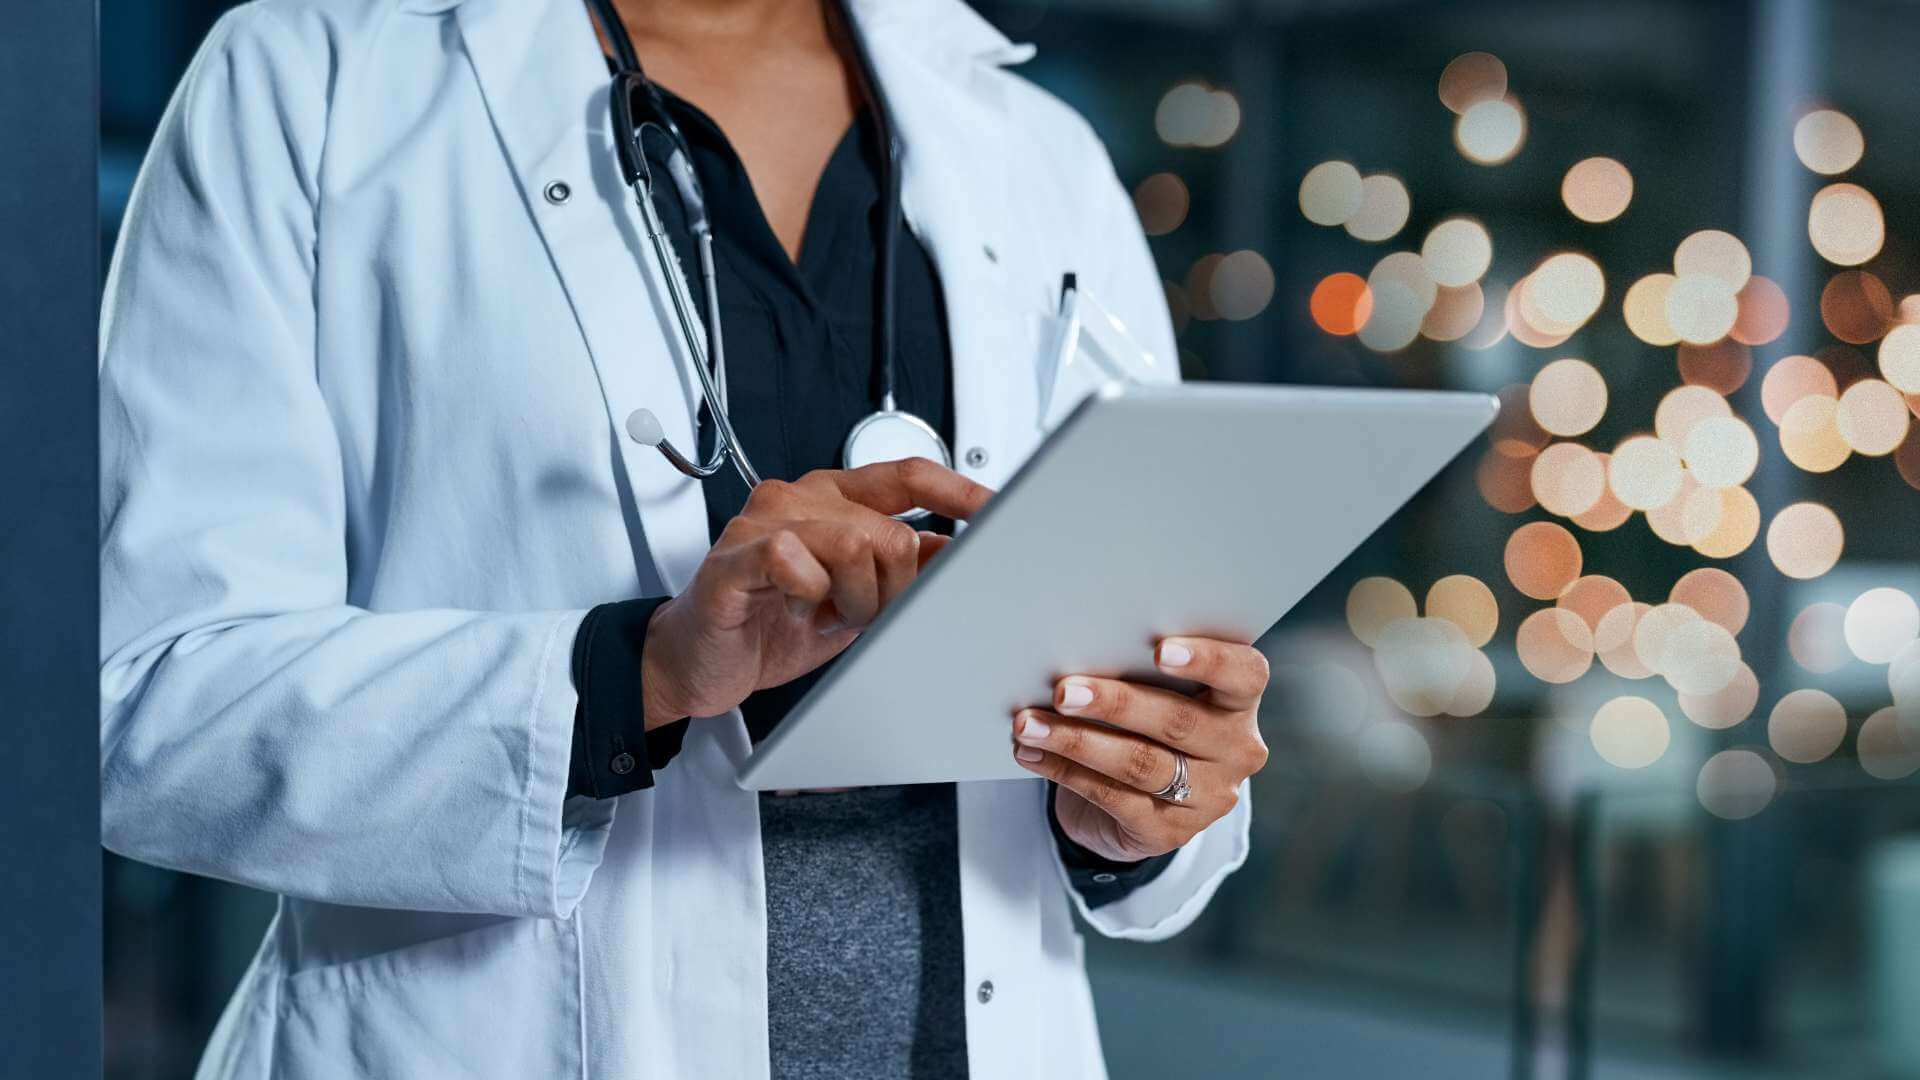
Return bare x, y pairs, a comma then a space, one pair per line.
1683, 407
1883, 748
1162, 201
1568, 397
1341, 304
1564, 292
1373, 603
1613, 640
1607, 514
1597, 190
1856, 307
1242, 285
1806, 726
1454, 314
1792, 378
1828, 142
1764, 312
1738, 527
1846, 224
1817, 638
1810, 434
1568, 479
1805, 540
1716, 254
1491, 132
1722, 367
1542, 559
1872, 418
1194, 114
1880, 623
1698, 658
1645, 309
1457, 252
1382, 213
1422, 663
1505, 480
1736, 784
1466, 602
1330, 193
1644, 472
1722, 451
1591, 598
1472, 78
1396, 317
1701, 308
1476, 690
1726, 707
1717, 595
1554, 645
1630, 732
1900, 357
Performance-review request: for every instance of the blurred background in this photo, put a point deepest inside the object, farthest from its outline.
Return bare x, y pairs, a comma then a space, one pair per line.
1599, 759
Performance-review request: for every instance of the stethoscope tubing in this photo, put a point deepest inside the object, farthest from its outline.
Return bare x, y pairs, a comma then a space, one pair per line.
710, 362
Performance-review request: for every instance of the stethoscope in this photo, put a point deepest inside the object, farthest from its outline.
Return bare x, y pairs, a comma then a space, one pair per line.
888, 434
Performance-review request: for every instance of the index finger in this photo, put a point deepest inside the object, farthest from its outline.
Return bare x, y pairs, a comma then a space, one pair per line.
894, 487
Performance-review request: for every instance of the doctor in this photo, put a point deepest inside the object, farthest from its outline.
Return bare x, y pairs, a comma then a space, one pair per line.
409, 617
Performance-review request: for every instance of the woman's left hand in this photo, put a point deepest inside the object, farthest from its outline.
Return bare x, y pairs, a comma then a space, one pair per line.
1108, 770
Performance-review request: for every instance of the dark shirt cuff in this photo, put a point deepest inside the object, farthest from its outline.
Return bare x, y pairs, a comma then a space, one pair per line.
613, 752
1098, 879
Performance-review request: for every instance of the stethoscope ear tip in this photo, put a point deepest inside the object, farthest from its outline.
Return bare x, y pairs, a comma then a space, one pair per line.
644, 428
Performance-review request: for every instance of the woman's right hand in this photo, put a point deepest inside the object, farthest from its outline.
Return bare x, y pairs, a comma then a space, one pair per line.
793, 580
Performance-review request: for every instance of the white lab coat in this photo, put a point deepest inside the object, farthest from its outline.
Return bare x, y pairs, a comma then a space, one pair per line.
363, 391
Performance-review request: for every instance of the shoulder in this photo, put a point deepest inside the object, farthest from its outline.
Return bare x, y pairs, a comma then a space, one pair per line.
1054, 131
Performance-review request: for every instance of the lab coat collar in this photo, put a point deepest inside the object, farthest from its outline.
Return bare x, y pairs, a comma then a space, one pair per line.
946, 29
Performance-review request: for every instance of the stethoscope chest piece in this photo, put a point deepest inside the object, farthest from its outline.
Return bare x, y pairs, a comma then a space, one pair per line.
893, 435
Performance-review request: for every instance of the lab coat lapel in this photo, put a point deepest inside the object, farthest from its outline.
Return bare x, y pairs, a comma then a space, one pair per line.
954, 183
545, 86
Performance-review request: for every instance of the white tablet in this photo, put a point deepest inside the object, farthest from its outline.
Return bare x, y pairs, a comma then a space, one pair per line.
1199, 509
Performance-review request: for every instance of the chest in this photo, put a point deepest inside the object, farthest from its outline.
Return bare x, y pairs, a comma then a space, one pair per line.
784, 122
487, 296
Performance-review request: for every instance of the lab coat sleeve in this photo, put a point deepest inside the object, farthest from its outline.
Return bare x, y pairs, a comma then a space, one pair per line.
1129, 284
255, 726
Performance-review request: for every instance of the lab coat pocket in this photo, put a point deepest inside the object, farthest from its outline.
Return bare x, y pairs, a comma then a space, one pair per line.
501, 1001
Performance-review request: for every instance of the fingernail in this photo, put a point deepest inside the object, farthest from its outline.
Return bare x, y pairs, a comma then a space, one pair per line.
1033, 729
797, 607
1076, 695
1174, 654
1029, 755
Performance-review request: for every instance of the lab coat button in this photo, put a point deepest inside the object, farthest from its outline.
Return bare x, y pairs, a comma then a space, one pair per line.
622, 764
976, 457
1104, 878
558, 192
985, 993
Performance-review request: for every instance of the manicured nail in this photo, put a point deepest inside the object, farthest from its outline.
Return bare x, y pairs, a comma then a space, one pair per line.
1033, 729
1174, 654
1029, 755
1076, 695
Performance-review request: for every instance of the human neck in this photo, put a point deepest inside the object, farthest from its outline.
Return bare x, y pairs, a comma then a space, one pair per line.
708, 20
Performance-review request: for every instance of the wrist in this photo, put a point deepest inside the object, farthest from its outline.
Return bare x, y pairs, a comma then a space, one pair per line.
658, 693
